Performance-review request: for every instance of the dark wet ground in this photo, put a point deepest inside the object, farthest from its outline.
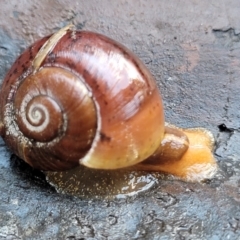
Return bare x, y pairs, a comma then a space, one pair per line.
192, 49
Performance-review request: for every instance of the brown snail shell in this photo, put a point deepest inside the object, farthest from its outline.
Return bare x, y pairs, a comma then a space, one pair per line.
79, 97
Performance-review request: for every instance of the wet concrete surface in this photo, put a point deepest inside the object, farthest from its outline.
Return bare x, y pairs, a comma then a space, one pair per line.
192, 49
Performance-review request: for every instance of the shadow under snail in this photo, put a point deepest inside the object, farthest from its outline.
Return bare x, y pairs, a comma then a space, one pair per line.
78, 97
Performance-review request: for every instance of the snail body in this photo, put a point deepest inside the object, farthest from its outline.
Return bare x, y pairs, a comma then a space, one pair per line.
78, 97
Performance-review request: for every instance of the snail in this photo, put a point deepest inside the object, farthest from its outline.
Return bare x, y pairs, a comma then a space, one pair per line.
79, 97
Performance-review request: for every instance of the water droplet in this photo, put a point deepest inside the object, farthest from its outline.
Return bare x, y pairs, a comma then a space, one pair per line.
112, 219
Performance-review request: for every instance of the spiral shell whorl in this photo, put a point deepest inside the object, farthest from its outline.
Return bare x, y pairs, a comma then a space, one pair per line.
34, 117
56, 119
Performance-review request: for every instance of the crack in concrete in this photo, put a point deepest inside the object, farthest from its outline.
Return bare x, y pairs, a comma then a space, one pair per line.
222, 139
223, 31
225, 141
228, 37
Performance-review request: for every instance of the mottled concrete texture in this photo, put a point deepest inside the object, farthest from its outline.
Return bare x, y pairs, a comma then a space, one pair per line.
193, 50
